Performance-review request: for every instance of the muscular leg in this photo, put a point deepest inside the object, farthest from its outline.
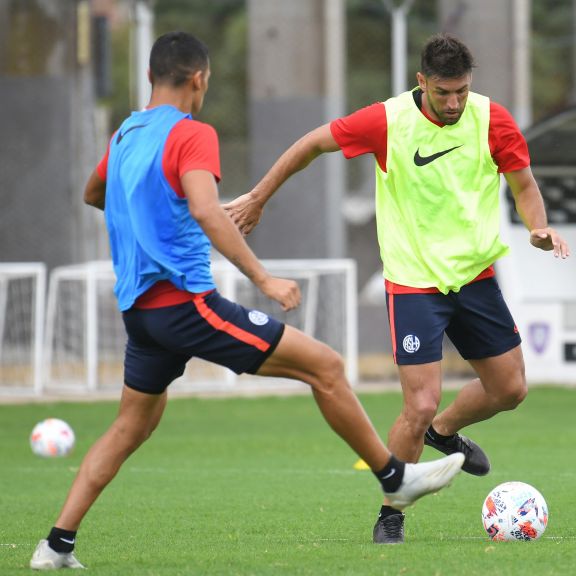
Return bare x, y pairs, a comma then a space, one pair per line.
421, 388
303, 358
501, 386
138, 416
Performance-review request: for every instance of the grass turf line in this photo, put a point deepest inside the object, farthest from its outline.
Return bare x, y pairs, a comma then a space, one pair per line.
262, 486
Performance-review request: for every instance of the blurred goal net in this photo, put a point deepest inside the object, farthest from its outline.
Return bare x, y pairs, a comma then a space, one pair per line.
22, 297
85, 336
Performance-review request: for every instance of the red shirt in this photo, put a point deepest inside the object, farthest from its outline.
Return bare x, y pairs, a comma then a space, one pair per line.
366, 130
191, 145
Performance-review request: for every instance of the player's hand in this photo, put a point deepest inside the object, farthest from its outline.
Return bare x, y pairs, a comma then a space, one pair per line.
549, 239
245, 212
286, 292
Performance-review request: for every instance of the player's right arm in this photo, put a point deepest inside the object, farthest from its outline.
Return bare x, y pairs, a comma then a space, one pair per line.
246, 210
362, 132
201, 192
95, 191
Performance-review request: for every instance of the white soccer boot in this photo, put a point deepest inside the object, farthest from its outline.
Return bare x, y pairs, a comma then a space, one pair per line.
424, 478
44, 558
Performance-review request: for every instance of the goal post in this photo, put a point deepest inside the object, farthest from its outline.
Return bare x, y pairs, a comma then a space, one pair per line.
328, 310
22, 313
85, 336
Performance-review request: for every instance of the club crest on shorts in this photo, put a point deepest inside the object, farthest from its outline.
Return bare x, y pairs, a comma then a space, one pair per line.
411, 343
258, 318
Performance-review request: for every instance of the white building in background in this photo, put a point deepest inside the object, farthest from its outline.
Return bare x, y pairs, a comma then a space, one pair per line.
540, 289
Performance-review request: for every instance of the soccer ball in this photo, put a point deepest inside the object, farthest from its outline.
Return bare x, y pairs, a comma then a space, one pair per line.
52, 437
514, 511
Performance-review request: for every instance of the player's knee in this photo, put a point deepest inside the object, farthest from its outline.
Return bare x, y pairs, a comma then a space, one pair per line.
98, 478
420, 413
511, 390
144, 435
153, 427
130, 438
330, 371
515, 394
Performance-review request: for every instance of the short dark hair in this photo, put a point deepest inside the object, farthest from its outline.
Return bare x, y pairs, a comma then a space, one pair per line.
175, 56
444, 56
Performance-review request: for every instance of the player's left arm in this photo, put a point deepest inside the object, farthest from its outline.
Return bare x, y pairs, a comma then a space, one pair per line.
530, 207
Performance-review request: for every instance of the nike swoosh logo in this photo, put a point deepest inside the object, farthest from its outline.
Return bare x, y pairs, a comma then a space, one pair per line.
423, 160
67, 541
120, 135
390, 474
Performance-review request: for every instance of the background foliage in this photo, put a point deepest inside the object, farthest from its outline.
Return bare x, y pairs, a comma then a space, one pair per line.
223, 25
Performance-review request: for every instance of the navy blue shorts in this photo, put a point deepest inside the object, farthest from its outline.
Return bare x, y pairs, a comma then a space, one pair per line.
162, 340
476, 320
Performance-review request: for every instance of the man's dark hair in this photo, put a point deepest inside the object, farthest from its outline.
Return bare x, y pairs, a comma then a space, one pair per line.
444, 56
175, 56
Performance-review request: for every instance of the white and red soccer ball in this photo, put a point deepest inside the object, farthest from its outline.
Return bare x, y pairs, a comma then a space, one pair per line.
51, 438
514, 511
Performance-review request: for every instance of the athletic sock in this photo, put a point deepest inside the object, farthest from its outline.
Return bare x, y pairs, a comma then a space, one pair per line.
438, 438
391, 475
61, 540
388, 511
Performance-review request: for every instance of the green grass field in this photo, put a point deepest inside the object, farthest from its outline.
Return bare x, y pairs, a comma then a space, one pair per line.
263, 487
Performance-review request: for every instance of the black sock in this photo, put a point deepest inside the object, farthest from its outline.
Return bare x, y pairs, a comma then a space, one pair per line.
388, 511
391, 475
438, 438
61, 540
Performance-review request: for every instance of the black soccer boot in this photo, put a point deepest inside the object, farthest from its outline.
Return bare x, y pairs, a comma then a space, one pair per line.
476, 462
389, 529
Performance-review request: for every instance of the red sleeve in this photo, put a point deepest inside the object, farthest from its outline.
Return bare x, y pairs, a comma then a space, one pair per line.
507, 144
191, 145
364, 131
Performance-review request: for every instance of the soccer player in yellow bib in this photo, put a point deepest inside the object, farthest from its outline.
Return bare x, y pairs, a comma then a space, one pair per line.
439, 149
